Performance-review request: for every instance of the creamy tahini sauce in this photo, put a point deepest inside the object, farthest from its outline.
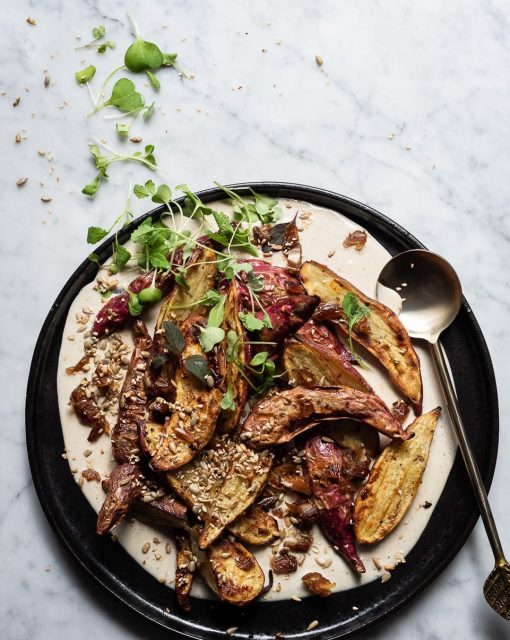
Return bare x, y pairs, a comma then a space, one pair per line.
323, 234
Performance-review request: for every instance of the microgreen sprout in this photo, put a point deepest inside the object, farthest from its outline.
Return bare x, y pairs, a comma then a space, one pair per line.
120, 255
146, 57
354, 310
85, 75
103, 161
98, 34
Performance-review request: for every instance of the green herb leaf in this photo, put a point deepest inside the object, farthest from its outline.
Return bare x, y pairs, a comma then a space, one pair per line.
198, 367
143, 55
259, 358
93, 257
250, 321
227, 402
125, 97
174, 338
217, 313
145, 191
98, 32
120, 256
96, 234
163, 195
211, 298
109, 44
192, 203
122, 129
85, 75
209, 337
134, 306
354, 310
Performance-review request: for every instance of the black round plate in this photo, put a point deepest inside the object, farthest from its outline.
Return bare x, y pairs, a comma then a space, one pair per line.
73, 520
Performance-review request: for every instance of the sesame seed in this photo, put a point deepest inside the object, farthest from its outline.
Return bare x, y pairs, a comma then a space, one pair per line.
312, 625
295, 598
231, 631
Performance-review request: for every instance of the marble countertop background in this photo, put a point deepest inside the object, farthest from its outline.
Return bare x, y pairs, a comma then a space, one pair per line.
409, 113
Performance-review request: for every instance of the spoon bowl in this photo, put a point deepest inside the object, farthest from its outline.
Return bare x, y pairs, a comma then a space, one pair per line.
430, 291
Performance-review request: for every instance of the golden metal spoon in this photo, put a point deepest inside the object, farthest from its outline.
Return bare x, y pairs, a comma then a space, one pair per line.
431, 297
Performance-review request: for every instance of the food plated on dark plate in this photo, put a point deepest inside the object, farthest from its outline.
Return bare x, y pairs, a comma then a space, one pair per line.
248, 423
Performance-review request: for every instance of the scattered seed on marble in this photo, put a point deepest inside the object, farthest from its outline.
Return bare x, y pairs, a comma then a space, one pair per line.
146, 547
32, 21
21, 182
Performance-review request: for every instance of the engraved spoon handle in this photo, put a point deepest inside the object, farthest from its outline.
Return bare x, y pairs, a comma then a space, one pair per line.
467, 452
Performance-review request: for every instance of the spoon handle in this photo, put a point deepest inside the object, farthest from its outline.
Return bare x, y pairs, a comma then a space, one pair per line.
467, 452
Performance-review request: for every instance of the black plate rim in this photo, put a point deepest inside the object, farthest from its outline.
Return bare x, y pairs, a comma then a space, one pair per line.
320, 197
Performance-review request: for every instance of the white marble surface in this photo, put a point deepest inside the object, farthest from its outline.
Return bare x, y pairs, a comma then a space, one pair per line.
433, 74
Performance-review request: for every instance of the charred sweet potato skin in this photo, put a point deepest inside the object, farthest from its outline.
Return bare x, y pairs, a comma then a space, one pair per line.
124, 488
393, 482
314, 357
183, 575
132, 399
287, 315
381, 332
284, 415
88, 413
334, 494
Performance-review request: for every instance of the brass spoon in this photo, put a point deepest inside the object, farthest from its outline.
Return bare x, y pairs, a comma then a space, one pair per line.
431, 297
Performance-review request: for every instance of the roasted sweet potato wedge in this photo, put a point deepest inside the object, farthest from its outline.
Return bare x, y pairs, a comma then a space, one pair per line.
132, 400
287, 315
89, 413
359, 442
334, 493
381, 333
277, 282
254, 527
314, 356
183, 574
180, 302
289, 476
124, 488
245, 480
190, 427
232, 572
220, 484
393, 482
284, 415
236, 382
227, 567
201, 271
